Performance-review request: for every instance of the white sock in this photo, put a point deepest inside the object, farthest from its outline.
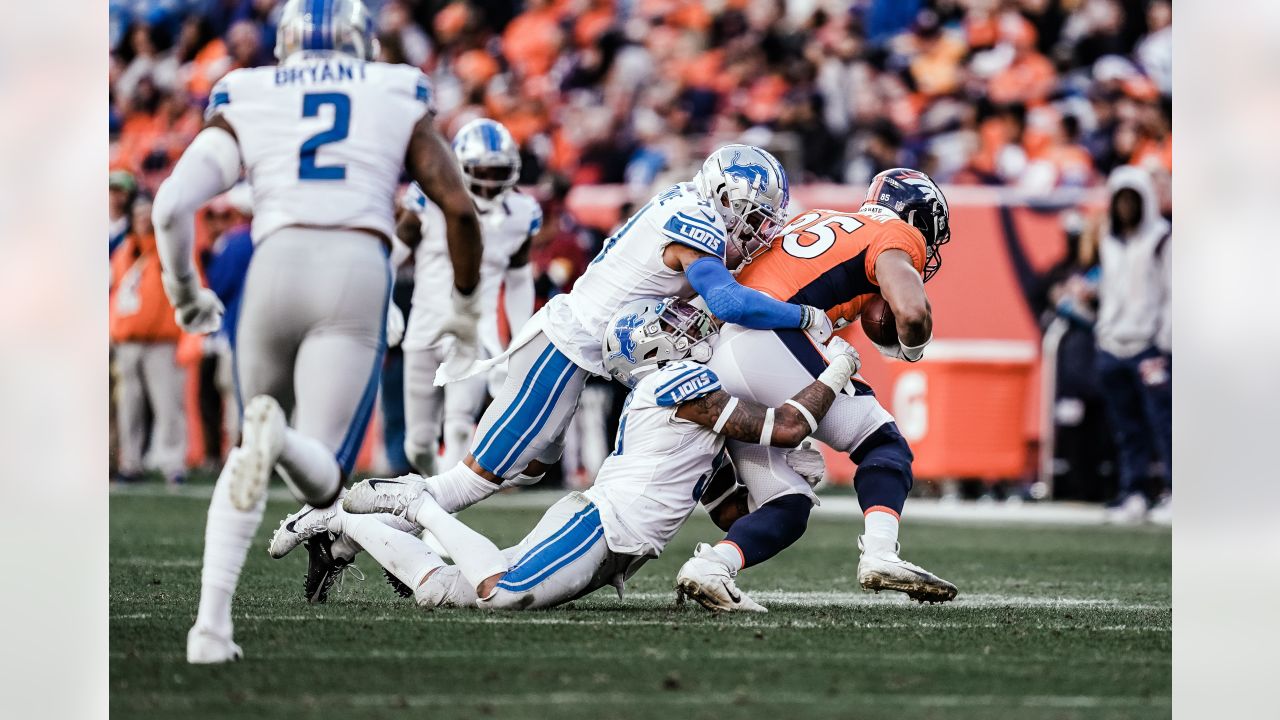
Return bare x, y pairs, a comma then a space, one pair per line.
459, 488
731, 554
880, 529
403, 555
227, 535
311, 470
474, 554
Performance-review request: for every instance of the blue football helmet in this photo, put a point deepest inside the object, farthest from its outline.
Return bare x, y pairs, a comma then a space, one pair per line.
489, 157
648, 333
749, 188
915, 198
344, 26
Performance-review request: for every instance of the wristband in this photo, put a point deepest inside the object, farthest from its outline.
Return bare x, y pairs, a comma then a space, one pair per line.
813, 423
913, 353
766, 431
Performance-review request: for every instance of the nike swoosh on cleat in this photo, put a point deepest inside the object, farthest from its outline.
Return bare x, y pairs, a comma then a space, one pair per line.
735, 598
289, 527
374, 483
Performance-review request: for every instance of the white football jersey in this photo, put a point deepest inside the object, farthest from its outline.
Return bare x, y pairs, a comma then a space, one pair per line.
505, 227
323, 138
630, 267
660, 464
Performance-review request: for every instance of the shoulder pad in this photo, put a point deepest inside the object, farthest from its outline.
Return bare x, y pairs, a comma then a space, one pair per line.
414, 198
682, 381
527, 208
220, 96
698, 227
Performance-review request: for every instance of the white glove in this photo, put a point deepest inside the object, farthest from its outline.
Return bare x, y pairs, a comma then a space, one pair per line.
460, 333
816, 323
808, 462
844, 363
196, 308
395, 325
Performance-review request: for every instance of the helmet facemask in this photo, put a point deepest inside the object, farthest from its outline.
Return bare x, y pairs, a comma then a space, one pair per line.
491, 177
642, 339
936, 229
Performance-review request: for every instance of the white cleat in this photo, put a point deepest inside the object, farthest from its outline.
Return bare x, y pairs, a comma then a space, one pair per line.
260, 446
298, 528
1162, 512
204, 647
1130, 511
707, 580
384, 495
880, 568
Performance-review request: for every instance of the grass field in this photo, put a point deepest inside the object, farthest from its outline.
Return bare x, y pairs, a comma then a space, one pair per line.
1051, 622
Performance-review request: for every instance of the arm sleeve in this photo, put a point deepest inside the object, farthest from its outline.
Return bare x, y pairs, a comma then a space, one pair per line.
731, 302
208, 167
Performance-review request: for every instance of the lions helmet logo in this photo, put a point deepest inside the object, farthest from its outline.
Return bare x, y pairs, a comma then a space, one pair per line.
755, 175
622, 331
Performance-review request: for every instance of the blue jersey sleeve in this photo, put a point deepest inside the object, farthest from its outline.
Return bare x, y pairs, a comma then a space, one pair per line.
733, 303
682, 382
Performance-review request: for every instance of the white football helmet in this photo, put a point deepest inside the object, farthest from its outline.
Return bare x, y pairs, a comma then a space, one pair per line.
749, 188
647, 333
489, 157
344, 26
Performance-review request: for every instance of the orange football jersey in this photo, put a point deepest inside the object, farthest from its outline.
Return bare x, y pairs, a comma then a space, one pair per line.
827, 259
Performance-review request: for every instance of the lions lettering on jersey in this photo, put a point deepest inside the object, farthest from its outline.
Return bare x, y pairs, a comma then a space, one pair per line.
697, 230
684, 381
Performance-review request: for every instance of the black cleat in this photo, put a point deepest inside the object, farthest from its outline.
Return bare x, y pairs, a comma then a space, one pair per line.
322, 568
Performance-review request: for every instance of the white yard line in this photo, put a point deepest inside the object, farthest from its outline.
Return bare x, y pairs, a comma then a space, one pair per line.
840, 505
616, 699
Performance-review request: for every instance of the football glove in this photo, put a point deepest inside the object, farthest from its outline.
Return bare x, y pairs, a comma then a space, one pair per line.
815, 322
844, 363
807, 461
460, 331
196, 308
903, 352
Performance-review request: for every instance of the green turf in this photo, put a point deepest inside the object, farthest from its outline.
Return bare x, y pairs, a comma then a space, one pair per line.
1008, 648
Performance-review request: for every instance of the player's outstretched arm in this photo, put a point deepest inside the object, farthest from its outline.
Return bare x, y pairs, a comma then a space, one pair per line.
207, 168
784, 426
734, 303
902, 287
432, 164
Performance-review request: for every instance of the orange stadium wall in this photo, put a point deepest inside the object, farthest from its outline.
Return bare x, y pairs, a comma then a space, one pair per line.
972, 408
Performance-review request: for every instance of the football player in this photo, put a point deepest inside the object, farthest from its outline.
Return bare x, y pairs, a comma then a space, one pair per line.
833, 260
509, 220
323, 137
672, 430
681, 243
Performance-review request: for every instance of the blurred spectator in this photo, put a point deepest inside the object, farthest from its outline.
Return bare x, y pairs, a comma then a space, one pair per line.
121, 188
226, 263
145, 336
1135, 336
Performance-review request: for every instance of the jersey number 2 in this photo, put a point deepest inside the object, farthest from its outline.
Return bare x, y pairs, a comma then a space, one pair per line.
311, 104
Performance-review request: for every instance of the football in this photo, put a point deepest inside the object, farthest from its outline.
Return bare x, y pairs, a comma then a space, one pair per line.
878, 322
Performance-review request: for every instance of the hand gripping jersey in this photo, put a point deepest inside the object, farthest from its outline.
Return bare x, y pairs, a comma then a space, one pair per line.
660, 463
505, 228
828, 259
323, 138
630, 267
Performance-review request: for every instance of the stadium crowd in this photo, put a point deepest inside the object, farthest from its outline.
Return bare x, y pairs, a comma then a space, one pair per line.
1032, 94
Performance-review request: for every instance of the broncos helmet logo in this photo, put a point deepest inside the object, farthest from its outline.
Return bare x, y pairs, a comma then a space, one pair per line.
622, 331
755, 175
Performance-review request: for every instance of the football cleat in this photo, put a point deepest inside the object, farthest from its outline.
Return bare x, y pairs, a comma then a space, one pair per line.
327, 560
1162, 512
260, 446
205, 647
880, 568
1130, 511
296, 529
446, 587
383, 495
706, 579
